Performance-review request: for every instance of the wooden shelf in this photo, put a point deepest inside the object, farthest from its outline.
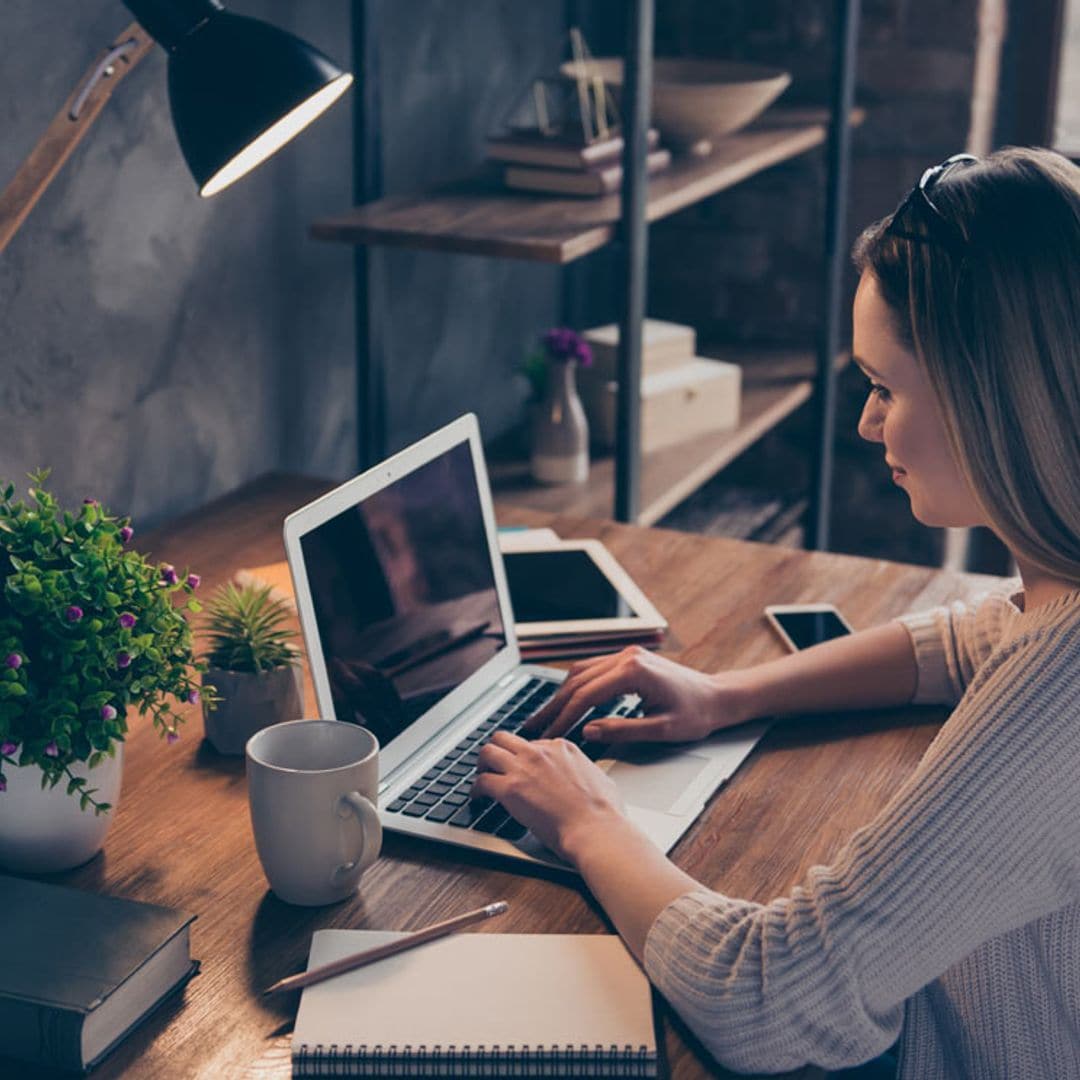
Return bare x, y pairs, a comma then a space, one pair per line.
477, 216
775, 384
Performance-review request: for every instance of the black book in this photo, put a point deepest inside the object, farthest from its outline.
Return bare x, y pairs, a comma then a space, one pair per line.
80, 971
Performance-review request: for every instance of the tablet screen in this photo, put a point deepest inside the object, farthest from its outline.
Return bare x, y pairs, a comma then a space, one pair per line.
552, 586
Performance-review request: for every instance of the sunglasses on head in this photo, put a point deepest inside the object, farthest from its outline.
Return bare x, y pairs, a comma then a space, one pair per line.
937, 225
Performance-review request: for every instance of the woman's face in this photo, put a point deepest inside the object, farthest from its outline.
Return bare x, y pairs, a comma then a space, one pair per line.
902, 414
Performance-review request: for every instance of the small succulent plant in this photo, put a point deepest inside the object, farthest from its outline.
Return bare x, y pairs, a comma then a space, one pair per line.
248, 630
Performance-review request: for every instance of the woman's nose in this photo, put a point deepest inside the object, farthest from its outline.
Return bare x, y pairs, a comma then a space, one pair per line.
870, 421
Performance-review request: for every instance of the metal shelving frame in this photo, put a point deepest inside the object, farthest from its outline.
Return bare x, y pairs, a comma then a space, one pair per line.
633, 251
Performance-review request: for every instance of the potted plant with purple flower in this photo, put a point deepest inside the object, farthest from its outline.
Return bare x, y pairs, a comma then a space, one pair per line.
89, 629
560, 432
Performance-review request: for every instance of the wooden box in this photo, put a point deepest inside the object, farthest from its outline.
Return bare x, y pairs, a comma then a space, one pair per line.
676, 404
664, 345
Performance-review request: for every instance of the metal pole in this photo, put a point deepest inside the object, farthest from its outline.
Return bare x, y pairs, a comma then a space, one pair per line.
635, 238
838, 159
367, 185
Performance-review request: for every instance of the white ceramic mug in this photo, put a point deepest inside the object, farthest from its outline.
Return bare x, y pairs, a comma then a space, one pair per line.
313, 788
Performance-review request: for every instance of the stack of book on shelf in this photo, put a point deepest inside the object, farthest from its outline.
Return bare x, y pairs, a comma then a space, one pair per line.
566, 164
682, 395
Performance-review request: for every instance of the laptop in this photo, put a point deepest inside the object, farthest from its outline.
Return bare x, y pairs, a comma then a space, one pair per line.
407, 620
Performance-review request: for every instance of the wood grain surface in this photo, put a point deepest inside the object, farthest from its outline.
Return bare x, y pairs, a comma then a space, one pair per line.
477, 215
182, 835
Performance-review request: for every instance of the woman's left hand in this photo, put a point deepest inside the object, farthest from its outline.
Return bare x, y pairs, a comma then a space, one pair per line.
549, 786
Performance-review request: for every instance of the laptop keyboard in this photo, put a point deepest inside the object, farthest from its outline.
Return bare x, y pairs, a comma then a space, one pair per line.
442, 794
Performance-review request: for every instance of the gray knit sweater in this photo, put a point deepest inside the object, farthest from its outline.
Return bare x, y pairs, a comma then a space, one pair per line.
952, 921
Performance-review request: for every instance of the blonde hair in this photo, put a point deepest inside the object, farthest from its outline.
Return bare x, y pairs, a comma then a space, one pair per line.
995, 322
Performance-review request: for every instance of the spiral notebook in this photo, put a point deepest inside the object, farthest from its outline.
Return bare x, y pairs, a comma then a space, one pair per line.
472, 1005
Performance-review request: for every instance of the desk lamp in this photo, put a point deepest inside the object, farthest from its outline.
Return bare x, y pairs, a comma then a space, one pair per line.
239, 90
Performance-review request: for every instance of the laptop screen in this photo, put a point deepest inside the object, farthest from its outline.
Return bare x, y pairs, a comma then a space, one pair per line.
404, 595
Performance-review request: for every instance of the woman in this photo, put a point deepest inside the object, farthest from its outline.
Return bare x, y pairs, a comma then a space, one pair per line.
952, 921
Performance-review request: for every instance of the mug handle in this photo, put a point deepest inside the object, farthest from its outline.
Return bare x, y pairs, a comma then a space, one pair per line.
371, 831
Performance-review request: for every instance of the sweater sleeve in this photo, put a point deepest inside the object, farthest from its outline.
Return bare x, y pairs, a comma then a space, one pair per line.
951, 643
983, 838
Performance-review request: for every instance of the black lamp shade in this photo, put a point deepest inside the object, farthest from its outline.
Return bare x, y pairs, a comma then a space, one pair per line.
239, 89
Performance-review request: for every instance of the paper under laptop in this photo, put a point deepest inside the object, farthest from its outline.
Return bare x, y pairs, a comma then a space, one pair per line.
407, 619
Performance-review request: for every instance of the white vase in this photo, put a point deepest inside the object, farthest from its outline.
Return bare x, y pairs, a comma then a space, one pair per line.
560, 432
43, 830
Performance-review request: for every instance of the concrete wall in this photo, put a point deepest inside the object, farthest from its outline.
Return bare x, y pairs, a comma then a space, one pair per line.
152, 341
451, 330
158, 349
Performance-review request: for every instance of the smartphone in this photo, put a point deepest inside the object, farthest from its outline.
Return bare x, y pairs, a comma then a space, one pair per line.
803, 625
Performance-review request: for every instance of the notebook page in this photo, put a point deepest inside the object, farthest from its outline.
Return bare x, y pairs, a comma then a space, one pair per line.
538, 990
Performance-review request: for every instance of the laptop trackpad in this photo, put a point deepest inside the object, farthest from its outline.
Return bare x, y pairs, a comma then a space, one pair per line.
657, 780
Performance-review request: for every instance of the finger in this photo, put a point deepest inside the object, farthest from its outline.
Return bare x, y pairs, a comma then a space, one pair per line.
493, 758
634, 729
489, 785
580, 675
508, 741
598, 690
551, 708
579, 666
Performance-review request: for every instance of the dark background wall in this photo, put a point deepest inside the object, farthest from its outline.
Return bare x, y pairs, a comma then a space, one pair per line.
744, 266
159, 349
451, 330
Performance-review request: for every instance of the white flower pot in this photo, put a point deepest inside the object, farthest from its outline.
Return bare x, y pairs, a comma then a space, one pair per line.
43, 831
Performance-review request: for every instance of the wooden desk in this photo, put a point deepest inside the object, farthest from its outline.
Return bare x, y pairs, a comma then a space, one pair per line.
182, 836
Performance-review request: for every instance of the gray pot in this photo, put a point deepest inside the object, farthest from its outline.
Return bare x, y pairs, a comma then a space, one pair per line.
249, 702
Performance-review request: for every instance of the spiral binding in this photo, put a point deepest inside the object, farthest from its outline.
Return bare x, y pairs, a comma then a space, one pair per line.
473, 1062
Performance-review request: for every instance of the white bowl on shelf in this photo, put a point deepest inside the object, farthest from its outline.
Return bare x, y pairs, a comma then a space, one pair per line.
696, 101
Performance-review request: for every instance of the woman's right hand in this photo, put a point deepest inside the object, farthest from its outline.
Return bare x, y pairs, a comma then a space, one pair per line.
680, 704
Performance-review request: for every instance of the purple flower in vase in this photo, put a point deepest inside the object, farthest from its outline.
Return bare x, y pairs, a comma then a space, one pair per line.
193, 581
74, 613
52, 750
169, 575
193, 697
8, 748
126, 533
123, 660
108, 712
172, 736
89, 502
564, 344
13, 661
127, 620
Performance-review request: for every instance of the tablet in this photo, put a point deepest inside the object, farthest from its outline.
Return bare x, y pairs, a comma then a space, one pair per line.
573, 587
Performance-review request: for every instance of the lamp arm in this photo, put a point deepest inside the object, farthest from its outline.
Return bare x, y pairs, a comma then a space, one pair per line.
68, 128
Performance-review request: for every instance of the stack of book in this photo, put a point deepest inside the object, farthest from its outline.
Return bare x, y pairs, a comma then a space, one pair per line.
566, 165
